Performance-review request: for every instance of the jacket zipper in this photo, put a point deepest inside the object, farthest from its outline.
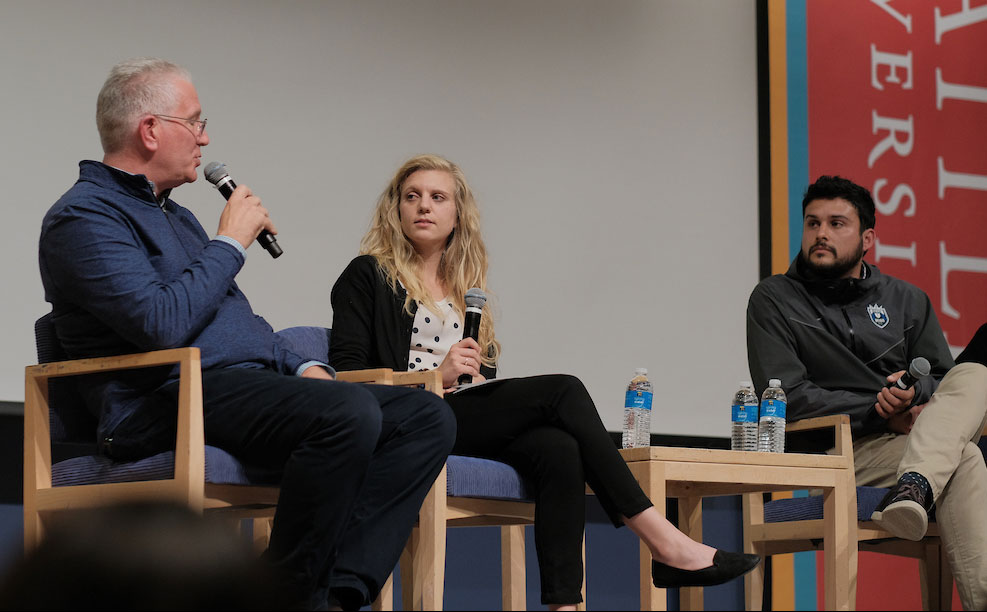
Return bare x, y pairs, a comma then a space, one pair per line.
853, 338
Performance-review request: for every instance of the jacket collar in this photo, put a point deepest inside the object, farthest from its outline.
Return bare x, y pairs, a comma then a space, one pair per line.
136, 186
838, 290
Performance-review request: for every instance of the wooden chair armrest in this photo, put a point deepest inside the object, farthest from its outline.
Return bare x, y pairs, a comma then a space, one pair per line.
840, 423
823, 422
108, 364
190, 441
382, 376
430, 380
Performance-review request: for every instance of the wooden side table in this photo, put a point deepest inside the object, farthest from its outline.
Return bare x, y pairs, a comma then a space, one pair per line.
690, 474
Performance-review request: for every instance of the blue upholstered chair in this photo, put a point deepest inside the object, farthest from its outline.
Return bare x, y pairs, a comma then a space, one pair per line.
796, 524
63, 471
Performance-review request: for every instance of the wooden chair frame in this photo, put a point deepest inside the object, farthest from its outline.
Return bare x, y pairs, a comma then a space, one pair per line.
423, 560
797, 536
187, 486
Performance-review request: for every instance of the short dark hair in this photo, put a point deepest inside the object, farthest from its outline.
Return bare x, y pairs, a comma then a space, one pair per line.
832, 187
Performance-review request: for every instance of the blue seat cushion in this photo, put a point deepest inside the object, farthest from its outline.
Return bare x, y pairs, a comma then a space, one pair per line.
485, 478
221, 468
466, 476
808, 508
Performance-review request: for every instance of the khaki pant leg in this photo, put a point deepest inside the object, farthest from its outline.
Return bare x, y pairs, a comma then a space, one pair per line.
942, 447
876, 458
954, 416
962, 519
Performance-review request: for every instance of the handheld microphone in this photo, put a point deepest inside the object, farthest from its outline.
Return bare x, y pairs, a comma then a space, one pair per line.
475, 299
917, 369
216, 174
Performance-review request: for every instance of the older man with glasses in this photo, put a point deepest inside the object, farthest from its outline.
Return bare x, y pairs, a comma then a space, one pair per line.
127, 269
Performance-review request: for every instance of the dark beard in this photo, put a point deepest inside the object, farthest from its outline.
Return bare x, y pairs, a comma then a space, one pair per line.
838, 268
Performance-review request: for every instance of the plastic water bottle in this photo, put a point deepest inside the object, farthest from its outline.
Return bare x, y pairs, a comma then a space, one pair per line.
771, 427
743, 435
637, 411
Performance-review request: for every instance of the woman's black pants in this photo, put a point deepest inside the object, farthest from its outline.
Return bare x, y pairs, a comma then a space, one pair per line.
548, 429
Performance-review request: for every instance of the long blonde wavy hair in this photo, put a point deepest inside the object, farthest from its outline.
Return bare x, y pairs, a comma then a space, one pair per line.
464, 261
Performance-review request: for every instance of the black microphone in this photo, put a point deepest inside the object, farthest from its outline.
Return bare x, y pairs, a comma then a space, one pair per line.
475, 299
919, 367
216, 174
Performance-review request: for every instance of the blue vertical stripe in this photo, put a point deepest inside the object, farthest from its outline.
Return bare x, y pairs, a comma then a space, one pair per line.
804, 564
805, 574
798, 119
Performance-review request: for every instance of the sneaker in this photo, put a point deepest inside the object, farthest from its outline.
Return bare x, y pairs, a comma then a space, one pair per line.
904, 511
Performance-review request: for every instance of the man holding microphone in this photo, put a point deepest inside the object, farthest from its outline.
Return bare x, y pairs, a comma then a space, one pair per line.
127, 269
840, 335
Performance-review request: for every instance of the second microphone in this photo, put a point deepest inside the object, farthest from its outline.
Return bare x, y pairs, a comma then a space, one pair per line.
216, 174
475, 299
918, 368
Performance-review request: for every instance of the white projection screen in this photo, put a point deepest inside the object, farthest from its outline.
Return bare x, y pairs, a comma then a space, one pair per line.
612, 147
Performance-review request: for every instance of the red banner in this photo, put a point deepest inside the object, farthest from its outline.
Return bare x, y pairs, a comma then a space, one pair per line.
897, 95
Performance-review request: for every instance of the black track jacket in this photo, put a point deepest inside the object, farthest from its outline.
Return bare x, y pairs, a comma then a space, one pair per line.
832, 343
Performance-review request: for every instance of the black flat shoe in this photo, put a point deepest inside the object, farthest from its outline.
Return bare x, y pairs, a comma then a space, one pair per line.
726, 566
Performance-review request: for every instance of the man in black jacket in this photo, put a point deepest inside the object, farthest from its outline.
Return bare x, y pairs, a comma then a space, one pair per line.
836, 332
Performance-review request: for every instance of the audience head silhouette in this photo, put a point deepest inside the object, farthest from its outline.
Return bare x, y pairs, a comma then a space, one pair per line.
140, 556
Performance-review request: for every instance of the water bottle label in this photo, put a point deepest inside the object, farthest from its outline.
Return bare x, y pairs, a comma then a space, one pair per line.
773, 408
744, 414
638, 399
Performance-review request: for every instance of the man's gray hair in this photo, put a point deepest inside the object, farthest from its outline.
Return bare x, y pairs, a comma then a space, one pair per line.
135, 87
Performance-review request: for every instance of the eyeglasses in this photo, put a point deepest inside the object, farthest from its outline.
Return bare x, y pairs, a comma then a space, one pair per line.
196, 126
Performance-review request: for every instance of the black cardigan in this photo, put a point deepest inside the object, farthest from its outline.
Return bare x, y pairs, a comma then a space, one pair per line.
370, 327
976, 350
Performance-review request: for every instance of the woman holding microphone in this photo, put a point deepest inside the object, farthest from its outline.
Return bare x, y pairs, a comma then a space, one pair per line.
400, 305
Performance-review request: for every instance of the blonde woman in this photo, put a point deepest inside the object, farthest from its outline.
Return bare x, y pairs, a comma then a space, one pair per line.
400, 305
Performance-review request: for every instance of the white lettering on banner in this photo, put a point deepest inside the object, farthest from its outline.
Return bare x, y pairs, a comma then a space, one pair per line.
955, 91
938, 45
884, 251
902, 19
894, 126
891, 207
958, 180
892, 61
960, 19
956, 263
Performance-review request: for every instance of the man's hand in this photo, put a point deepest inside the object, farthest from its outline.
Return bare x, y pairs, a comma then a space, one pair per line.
317, 371
244, 217
903, 421
892, 400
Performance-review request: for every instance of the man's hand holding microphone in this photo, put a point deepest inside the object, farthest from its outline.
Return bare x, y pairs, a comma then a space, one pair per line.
244, 218
894, 401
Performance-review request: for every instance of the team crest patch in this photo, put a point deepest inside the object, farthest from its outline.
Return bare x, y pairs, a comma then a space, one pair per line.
878, 315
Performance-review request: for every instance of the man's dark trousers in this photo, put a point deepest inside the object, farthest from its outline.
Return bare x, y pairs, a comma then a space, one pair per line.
358, 461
